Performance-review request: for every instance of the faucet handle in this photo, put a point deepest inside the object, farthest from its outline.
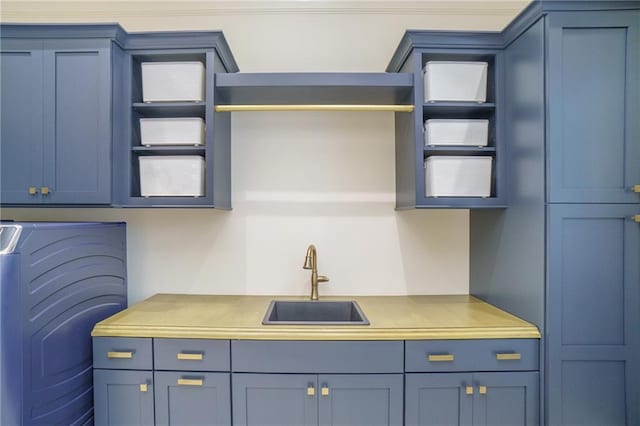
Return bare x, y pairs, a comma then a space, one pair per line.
322, 279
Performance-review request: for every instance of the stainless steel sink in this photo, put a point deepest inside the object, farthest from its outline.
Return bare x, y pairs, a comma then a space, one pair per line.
314, 313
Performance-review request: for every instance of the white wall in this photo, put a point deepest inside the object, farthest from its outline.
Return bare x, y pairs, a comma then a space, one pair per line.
298, 178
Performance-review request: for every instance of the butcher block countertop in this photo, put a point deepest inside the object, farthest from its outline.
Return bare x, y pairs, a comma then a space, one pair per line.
390, 317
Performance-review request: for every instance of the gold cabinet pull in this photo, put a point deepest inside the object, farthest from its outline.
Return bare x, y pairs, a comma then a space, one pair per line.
44, 190
189, 357
144, 387
311, 391
636, 218
469, 390
190, 382
508, 357
33, 190
324, 391
636, 188
440, 358
120, 355
482, 390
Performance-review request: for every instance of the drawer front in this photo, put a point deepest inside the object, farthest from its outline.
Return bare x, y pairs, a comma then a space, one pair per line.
257, 356
471, 355
191, 354
122, 353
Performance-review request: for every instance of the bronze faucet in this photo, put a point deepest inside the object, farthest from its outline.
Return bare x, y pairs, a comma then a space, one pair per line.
311, 262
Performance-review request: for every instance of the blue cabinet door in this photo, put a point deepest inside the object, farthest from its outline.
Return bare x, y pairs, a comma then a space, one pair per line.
506, 399
275, 399
593, 91
192, 398
77, 121
21, 117
360, 400
593, 338
123, 398
438, 399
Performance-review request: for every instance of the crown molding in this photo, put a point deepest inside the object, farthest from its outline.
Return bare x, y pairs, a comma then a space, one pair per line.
32, 9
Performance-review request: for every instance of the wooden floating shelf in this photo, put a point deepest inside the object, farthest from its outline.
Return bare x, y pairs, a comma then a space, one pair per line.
393, 108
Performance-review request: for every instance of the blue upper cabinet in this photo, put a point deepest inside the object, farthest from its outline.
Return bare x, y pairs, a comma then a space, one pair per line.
593, 80
21, 117
56, 119
77, 122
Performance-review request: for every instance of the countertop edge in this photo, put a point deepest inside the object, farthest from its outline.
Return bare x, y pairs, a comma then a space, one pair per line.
310, 334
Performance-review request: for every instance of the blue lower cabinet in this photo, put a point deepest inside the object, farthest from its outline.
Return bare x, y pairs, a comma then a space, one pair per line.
506, 399
325, 400
593, 295
479, 399
123, 397
192, 398
360, 400
275, 399
438, 399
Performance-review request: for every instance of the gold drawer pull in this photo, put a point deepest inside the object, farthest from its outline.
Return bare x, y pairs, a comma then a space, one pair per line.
469, 390
508, 357
190, 357
311, 391
144, 387
482, 390
636, 188
44, 190
120, 355
324, 391
440, 358
33, 190
190, 382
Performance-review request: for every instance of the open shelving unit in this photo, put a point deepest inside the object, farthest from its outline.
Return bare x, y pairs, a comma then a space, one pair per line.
411, 150
215, 149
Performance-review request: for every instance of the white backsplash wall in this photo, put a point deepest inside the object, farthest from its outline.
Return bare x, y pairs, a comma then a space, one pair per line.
298, 178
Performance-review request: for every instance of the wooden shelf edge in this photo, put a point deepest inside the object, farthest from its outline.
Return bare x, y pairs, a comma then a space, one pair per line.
244, 108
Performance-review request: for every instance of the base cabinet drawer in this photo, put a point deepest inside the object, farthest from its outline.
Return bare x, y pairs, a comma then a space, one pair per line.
263, 356
122, 353
191, 355
192, 398
472, 355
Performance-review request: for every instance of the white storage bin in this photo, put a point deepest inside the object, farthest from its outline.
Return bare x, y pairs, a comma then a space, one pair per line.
172, 81
172, 176
172, 131
458, 176
455, 81
456, 132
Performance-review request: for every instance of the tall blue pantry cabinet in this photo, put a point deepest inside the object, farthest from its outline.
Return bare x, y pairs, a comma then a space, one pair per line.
57, 281
565, 255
